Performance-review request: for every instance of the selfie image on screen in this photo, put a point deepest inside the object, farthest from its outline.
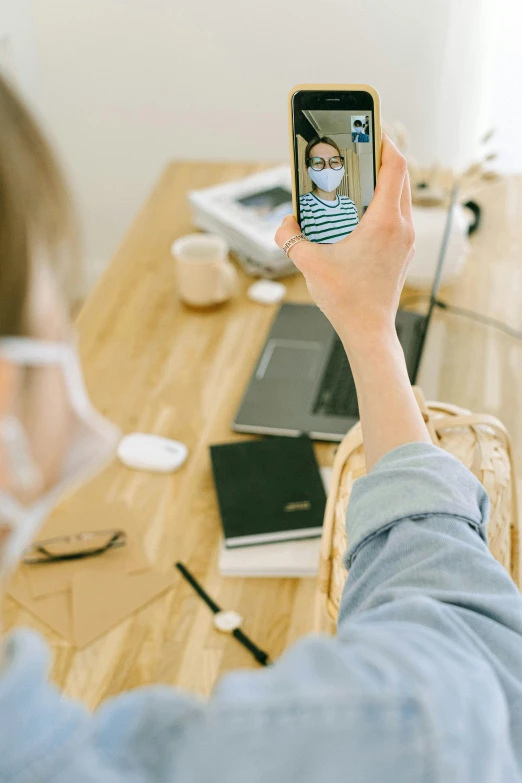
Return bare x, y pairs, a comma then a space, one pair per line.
335, 166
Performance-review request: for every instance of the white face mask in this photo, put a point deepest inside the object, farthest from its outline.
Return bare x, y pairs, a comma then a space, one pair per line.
327, 179
91, 445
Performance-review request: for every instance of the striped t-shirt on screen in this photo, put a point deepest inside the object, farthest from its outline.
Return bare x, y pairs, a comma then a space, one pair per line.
327, 221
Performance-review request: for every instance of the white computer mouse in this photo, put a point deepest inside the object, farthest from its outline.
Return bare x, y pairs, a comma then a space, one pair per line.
144, 451
267, 292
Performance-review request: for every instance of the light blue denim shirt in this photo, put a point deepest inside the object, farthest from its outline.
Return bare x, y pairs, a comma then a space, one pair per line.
423, 682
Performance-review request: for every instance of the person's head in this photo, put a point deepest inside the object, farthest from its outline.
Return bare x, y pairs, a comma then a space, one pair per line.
323, 154
357, 124
322, 147
37, 420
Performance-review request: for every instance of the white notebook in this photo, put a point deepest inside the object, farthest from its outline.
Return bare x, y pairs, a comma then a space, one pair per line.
284, 559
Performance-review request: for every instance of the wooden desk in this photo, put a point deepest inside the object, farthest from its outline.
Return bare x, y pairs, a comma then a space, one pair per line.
153, 365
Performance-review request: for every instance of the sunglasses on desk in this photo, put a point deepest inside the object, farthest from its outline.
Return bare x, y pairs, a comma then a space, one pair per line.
74, 547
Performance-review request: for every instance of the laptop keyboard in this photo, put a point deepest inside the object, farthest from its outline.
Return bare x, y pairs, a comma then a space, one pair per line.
337, 396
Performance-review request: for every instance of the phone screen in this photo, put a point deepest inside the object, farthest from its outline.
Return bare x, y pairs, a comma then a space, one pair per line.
334, 161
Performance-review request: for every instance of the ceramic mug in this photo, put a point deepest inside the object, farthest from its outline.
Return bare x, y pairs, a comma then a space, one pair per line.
205, 275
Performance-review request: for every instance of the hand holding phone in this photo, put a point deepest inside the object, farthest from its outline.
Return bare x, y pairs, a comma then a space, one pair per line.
357, 280
355, 270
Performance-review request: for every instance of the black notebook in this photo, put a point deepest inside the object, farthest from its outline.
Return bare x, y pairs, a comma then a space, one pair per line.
268, 490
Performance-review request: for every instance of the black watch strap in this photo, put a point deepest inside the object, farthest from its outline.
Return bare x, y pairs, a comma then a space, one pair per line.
259, 654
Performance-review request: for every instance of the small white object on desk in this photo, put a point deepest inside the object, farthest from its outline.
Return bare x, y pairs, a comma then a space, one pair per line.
143, 451
267, 292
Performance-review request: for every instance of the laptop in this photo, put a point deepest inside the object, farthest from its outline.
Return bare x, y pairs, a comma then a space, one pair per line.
302, 382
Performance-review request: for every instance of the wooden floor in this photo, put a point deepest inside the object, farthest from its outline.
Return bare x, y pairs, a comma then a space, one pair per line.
153, 365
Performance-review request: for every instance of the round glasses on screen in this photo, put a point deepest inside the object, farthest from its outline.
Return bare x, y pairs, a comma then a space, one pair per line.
318, 164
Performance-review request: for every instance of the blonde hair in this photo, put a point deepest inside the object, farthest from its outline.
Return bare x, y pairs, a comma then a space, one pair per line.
36, 215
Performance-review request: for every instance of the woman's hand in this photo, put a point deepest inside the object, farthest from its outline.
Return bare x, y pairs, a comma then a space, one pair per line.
357, 282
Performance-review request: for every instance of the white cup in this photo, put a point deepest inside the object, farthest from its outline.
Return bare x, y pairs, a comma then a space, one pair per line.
205, 275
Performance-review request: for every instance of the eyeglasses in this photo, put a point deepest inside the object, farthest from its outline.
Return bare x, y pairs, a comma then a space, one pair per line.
75, 547
318, 164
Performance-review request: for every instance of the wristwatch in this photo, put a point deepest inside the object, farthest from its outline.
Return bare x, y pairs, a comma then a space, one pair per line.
226, 621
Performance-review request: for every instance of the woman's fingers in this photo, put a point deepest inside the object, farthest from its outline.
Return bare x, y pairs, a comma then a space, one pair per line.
290, 228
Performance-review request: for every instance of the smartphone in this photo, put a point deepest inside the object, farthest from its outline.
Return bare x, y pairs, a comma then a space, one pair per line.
335, 136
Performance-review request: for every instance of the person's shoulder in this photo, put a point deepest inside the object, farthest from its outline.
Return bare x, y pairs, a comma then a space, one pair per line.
347, 200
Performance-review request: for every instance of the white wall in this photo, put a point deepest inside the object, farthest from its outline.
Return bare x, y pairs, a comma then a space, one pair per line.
504, 111
17, 45
127, 85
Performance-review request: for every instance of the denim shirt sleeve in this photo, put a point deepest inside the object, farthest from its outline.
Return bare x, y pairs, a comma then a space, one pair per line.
417, 528
414, 482
422, 683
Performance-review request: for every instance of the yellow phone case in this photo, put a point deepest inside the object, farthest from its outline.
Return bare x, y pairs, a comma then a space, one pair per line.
330, 88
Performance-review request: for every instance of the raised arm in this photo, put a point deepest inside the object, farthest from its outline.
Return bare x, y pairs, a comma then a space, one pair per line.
357, 284
417, 522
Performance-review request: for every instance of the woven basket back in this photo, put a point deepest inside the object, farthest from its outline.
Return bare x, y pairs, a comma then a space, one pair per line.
479, 441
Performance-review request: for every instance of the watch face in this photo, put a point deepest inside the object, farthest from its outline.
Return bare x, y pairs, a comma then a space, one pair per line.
227, 621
